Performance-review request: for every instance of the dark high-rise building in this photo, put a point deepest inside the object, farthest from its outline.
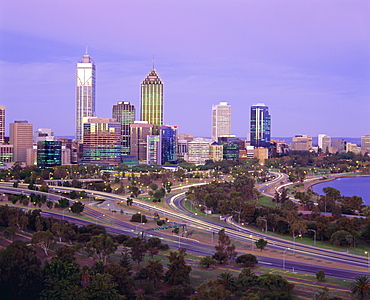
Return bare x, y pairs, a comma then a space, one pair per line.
260, 126
49, 154
168, 144
152, 100
230, 145
124, 113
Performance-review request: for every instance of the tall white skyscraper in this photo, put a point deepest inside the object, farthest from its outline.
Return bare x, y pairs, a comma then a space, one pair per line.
221, 120
85, 93
324, 142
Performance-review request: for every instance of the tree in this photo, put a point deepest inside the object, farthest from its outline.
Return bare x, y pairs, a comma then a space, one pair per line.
272, 282
224, 248
20, 275
211, 290
66, 254
102, 287
206, 262
63, 202
159, 194
320, 275
261, 244
178, 272
138, 251
43, 239
121, 277
247, 260
50, 204
58, 229
227, 280
77, 207
361, 287
102, 245
154, 271
153, 186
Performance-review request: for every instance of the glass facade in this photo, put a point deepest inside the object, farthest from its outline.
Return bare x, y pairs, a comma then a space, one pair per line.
260, 126
49, 154
168, 139
230, 147
152, 100
124, 113
221, 120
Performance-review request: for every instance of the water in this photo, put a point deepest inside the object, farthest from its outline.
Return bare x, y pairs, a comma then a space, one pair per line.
348, 186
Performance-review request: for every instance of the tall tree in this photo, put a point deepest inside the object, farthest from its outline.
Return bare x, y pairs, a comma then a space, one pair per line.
178, 272
361, 287
44, 240
102, 245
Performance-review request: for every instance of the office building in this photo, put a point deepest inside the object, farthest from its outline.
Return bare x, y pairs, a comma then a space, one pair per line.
186, 137
301, 142
260, 128
6, 153
182, 148
365, 143
21, 137
324, 143
152, 100
261, 154
353, 148
338, 145
2, 123
153, 156
198, 152
230, 147
102, 142
43, 134
216, 151
85, 93
124, 113
138, 145
72, 146
49, 154
221, 120
168, 144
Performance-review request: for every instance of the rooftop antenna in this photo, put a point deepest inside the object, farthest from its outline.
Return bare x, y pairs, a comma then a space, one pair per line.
153, 61
86, 50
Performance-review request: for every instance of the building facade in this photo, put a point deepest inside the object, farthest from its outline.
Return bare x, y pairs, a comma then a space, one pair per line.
43, 134
168, 146
21, 137
365, 143
260, 127
198, 152
230, 147
49, 154
324, 143
301, 142
139, 132
85, 93
102, 142
221, 120
6, 153
152, 100
2, 123
153, 156
338, 145
216, 152
124, 113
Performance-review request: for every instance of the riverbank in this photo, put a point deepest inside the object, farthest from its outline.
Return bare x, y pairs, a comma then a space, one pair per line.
310, 184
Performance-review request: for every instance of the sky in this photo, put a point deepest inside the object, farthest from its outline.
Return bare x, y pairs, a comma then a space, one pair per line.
308, 61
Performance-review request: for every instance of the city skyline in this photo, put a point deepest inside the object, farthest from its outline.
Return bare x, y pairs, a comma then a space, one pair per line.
302, 60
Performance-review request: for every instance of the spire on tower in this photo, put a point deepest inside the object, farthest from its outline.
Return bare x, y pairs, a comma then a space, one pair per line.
86, 50
153, 62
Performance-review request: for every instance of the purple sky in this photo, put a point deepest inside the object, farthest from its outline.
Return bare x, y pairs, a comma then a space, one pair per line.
309, 61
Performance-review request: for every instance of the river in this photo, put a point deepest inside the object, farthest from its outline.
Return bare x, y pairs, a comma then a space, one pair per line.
348, 186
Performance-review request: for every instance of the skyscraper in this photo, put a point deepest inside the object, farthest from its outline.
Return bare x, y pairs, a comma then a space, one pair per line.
152, 100
124, 113
85, 93
102, 142
2, 123
221, 120
168, 143
365, 143
260, 125
21, 137
324, 142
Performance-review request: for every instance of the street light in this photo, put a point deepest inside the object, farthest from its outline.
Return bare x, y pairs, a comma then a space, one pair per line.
284, 258
294, 237
65, 210
368, 260
251, 236
314, 236
96, 221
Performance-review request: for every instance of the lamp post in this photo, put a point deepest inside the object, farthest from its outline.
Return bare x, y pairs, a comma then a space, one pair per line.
284, 258
294, 237
251, 236
96, 221
314, 236
65, 210
238, 212
368, 260
266, 223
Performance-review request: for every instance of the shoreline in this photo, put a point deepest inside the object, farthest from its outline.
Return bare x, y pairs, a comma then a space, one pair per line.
310, 184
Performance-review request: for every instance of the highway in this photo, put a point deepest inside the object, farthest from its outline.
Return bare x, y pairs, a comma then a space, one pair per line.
180, 214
